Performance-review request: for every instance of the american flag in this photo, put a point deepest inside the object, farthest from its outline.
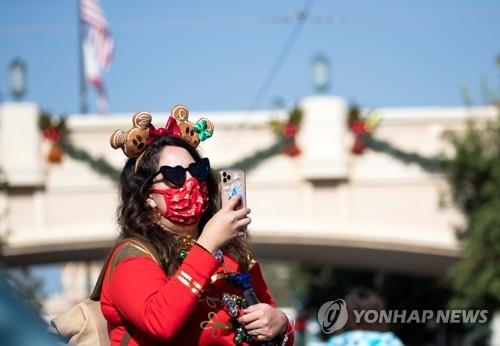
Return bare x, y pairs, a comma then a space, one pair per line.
98, 48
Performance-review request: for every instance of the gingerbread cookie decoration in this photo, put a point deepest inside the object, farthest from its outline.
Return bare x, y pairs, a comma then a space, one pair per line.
191, 132
134, 141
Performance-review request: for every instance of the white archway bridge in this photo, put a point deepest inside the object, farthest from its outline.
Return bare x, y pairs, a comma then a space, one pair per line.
325, 205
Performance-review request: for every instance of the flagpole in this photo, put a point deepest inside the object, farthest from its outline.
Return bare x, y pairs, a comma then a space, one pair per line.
83, 82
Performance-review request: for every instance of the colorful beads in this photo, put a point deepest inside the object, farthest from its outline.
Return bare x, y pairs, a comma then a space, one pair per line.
232, 303
182, 254
241, 280
186, 242
241, 334
219, 256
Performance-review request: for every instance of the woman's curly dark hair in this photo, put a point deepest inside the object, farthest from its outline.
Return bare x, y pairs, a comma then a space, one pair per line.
135, 217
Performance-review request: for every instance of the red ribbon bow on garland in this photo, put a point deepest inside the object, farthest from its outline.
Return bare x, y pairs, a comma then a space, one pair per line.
363, 127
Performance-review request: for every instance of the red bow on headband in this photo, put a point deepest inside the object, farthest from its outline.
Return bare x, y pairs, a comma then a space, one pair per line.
170, 129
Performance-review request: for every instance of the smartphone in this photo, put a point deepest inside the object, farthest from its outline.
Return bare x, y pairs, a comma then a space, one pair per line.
232, 182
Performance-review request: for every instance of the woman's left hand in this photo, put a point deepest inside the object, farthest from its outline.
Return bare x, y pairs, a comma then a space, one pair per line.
263, 322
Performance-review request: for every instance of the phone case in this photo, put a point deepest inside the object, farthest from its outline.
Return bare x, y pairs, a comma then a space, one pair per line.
232, 182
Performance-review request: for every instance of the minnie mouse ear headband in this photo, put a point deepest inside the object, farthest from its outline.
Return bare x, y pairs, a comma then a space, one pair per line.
134, 141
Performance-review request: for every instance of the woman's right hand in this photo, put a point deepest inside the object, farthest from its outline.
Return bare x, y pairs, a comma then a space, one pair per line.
224, 225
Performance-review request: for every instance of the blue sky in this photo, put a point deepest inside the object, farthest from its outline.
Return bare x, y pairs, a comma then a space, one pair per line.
214, 55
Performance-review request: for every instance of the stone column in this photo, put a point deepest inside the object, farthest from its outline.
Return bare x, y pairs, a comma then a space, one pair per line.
322, 138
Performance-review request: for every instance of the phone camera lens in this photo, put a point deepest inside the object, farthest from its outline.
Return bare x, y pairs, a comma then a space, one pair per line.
224, 180
228, 177
224, 174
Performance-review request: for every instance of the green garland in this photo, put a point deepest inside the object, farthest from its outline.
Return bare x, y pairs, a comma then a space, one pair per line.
100, 165
253, 160
363, 129
103, 167
283, 140
429, 164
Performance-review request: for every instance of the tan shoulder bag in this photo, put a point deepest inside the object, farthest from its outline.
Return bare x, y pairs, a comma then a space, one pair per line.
84, 324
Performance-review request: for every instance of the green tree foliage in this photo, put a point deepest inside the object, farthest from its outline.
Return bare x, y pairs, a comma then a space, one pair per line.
474, 177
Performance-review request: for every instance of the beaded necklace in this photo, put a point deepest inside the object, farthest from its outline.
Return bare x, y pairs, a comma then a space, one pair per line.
232, 303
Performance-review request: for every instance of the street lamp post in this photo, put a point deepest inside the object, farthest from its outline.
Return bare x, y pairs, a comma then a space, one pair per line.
320, 71
17, 79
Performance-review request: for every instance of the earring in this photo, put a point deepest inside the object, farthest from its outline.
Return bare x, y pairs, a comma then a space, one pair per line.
155, 216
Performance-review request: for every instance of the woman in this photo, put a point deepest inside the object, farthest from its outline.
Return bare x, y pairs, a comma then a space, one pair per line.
182, 284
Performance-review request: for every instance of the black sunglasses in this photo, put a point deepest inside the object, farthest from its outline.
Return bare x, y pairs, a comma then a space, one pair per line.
177, 175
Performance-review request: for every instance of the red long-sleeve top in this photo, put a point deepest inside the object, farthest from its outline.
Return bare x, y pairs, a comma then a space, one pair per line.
182, 309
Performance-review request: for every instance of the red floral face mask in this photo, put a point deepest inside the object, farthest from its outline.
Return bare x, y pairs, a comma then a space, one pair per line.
186, 204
